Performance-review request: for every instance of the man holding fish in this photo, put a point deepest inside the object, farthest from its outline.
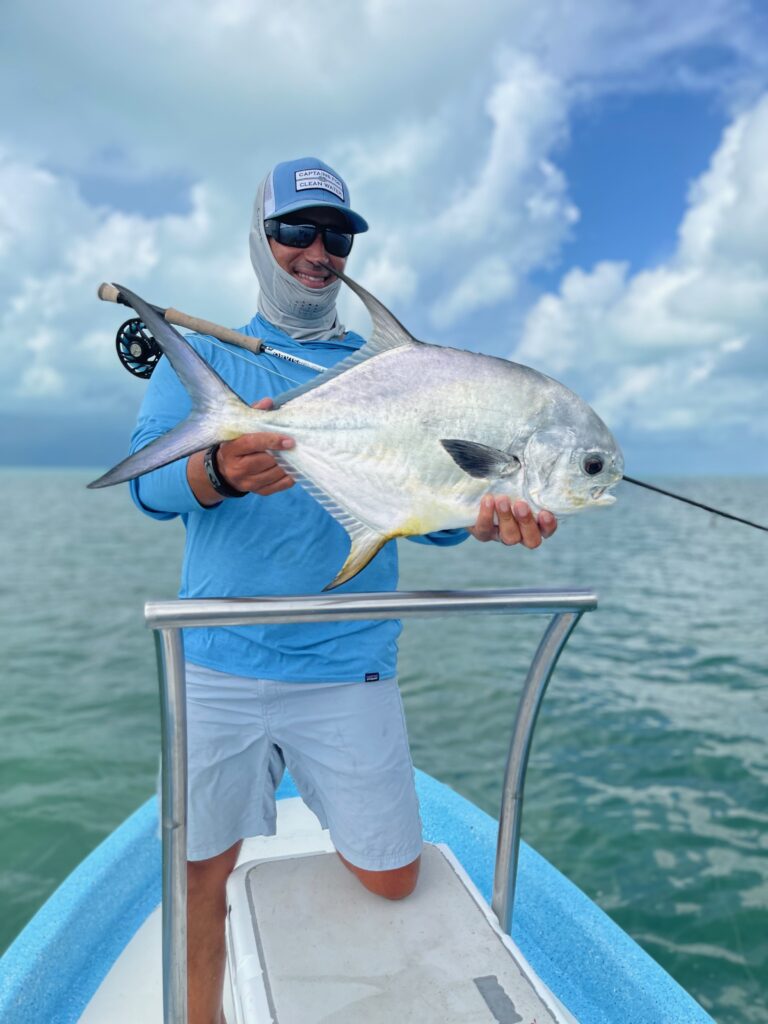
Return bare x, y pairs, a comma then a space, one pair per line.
321, 698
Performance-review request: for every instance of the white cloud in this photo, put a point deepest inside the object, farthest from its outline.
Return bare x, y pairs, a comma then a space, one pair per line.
51, 349
682, 345
490, 280
448, 128
515, 212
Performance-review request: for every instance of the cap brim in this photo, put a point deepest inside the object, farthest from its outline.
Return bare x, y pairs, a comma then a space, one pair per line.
357, 223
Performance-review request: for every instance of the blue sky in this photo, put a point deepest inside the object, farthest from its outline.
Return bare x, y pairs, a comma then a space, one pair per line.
582, 187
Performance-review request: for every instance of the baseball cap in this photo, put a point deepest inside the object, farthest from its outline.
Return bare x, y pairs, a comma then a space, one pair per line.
297, 184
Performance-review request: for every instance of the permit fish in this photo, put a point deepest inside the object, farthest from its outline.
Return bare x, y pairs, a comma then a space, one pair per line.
403, 437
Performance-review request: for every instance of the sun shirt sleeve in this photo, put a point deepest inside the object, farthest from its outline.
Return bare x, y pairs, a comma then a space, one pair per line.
442, 538
165, 492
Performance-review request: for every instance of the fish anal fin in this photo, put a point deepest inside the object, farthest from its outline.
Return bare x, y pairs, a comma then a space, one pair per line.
480, 460
366, 544
365, 541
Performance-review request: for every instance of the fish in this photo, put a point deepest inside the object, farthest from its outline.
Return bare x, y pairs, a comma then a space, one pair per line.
403, 437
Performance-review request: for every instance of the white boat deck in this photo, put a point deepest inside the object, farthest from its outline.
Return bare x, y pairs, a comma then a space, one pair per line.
332, 953
133, 989
308, 945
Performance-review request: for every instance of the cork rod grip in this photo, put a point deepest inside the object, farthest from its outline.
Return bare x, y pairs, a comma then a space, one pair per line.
200, 326
108, 293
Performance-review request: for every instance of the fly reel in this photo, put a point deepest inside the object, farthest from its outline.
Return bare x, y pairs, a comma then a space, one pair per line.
137, 349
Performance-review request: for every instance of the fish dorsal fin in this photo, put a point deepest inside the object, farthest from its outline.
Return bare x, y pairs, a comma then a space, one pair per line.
388, 333
365, 541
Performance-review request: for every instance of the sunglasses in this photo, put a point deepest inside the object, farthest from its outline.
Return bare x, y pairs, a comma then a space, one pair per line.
301, 236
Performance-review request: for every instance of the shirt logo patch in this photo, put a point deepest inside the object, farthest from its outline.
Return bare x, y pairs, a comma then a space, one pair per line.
371, 677
317, 178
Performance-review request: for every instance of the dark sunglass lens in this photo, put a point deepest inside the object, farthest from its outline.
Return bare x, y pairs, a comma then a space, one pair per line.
301, 236
337, 242
298, 236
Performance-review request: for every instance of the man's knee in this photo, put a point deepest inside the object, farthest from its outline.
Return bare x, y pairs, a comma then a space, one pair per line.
395, 884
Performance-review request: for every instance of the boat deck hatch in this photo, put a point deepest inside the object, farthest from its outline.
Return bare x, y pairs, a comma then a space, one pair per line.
308, 944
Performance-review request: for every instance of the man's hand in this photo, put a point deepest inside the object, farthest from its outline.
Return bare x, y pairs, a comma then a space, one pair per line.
499, 520
245, 463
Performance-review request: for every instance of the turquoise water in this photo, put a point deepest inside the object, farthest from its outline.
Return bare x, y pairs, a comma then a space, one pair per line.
648, 781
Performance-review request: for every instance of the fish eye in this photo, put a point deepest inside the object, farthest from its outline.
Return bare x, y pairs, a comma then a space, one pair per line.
592, 464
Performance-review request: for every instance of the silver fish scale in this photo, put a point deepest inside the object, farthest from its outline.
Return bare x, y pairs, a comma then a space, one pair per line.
370, 437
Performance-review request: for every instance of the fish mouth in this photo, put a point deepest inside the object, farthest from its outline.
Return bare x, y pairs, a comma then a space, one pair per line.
599, 497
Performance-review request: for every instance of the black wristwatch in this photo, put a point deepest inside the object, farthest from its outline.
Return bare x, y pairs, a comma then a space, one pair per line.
215, 479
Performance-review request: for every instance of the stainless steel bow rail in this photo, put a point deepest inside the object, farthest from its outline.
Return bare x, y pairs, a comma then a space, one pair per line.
168, 618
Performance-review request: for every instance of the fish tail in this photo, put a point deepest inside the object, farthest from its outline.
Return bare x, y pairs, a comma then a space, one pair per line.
215, 406
192, 435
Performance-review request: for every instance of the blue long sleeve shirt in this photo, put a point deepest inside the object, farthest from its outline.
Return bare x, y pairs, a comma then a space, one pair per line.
284, 543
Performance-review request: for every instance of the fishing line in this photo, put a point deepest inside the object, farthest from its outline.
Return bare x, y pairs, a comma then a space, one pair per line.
262, 366
698, 504
139, 351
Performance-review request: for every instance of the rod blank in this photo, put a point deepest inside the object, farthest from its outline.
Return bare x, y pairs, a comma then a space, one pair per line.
698, 504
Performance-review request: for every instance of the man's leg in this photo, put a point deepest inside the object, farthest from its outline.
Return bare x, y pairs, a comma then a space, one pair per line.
347, 749
395, 884
233, 772
206, 917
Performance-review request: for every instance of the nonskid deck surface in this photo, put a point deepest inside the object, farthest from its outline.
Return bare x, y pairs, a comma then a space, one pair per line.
307, 944
310, 945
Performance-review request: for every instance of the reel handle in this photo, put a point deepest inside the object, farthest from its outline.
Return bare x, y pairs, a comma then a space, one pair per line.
108, 293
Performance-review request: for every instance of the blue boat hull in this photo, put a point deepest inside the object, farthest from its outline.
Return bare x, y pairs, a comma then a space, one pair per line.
56, 964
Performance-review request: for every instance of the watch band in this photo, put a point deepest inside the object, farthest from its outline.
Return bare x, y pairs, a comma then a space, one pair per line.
216, 480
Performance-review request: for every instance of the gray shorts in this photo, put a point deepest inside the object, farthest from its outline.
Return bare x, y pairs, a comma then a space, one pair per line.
345, 744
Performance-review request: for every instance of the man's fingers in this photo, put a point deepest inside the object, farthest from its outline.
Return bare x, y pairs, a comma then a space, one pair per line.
547, 523
484, 528
529, 528
281, 485
509, 529
499, 519
267, 478
248, 444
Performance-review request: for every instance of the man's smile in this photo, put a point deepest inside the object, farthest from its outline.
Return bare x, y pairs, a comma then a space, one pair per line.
312, 277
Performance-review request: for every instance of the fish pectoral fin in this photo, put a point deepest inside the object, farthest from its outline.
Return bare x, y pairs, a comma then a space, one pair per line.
479, 459
366, 543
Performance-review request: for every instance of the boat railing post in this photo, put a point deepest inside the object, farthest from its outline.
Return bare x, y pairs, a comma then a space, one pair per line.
168, 618
173, 714
508, 843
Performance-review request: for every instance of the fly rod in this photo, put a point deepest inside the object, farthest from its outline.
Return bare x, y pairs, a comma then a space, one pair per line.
138, 350
697, 504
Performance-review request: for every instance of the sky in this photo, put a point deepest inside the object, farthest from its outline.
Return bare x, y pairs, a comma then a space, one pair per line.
578, 186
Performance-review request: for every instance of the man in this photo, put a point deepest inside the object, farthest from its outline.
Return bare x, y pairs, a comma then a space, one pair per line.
321, 698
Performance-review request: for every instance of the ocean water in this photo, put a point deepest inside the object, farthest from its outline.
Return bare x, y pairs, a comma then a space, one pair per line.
648, 779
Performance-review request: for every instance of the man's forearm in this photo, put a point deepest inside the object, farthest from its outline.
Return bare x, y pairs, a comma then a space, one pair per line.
199, 483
